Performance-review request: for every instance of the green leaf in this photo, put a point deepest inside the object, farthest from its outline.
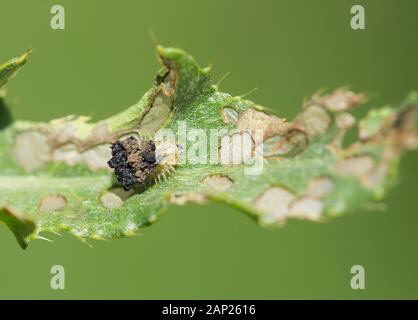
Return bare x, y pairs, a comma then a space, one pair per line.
7, 71
20, 225
11, 67
54, 175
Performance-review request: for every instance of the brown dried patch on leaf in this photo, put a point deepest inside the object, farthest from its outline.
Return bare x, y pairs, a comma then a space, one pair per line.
275, 146
101, 133
168, 80
189, 197
64, 130
405, 128
31, 149
96, 158
297, 142
314, 120
230, 115
77, 131
62, 135
341, 100
218, 183
376, 177
122, 194
115, 198
306, 208
67, 154
274, 204
52, 203
356, 166
168, 86
21, 226
236, 149
397, 129
320, 187
345, 121
291, 144
254, 121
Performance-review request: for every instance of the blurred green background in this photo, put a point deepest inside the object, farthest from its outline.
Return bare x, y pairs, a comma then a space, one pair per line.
104, 60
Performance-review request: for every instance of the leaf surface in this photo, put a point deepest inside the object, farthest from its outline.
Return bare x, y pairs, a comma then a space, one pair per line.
54, 175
